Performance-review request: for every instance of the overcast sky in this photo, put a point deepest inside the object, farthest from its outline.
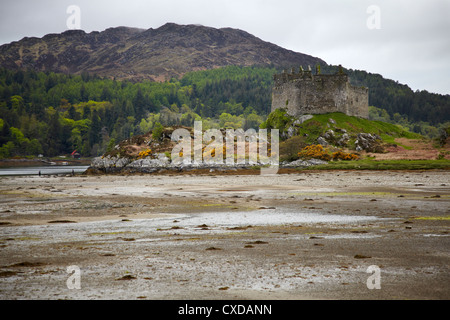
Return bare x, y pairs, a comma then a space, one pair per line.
405, 40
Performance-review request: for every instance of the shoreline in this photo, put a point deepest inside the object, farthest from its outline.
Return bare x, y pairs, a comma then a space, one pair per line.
6, 163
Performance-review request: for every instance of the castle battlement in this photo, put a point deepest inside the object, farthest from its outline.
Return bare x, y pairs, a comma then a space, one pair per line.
302, 92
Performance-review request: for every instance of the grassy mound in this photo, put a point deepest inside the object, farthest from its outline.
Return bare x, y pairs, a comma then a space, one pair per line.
343, 133
320, 123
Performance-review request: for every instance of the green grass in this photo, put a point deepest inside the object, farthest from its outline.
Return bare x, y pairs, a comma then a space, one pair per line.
354, 125
368, 164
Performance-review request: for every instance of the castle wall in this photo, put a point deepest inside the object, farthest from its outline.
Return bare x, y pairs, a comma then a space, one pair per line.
358, 101
304, 93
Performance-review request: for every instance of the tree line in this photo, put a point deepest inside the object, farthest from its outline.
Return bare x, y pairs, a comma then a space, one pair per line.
53, 114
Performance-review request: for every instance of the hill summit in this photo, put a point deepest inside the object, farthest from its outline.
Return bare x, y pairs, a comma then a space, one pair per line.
154, 54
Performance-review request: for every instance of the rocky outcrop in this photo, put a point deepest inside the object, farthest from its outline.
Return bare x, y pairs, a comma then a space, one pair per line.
368, 142
343, 140
117, 164
322, 141
363, 142
339, 137
161, 161
292, 130
303, 163
109, 162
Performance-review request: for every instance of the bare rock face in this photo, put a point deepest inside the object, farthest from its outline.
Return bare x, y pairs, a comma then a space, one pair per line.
322, 141
329, 135
109, 162
162, 161
304, 163
368, 142
342, 142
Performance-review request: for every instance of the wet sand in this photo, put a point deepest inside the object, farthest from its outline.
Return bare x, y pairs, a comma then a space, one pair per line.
310, 235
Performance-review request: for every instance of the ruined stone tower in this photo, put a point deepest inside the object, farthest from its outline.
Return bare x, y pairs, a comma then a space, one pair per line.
305, 93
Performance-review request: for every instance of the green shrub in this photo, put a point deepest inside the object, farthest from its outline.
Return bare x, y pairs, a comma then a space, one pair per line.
290, 148
157, 131
278, 119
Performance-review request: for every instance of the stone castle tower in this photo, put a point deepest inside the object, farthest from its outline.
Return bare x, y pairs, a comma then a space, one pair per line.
306, 93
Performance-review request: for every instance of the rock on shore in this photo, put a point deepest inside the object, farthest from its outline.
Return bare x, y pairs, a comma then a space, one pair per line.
111, 164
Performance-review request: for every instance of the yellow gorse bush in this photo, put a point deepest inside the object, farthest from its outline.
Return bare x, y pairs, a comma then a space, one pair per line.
144, 154
340, 155
315, 151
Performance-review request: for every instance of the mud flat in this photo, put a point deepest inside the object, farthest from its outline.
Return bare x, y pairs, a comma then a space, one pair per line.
309, 235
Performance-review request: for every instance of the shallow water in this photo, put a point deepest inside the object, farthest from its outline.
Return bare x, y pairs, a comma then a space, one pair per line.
215, 222
44, 170
267, 217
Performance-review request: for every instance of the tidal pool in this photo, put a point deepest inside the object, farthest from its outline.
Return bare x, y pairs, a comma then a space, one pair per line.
179, 223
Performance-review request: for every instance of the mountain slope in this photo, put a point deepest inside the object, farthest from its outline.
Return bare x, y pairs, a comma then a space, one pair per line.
71, 51
154, 54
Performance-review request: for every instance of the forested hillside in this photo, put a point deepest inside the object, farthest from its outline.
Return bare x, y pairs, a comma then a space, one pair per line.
53, 114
